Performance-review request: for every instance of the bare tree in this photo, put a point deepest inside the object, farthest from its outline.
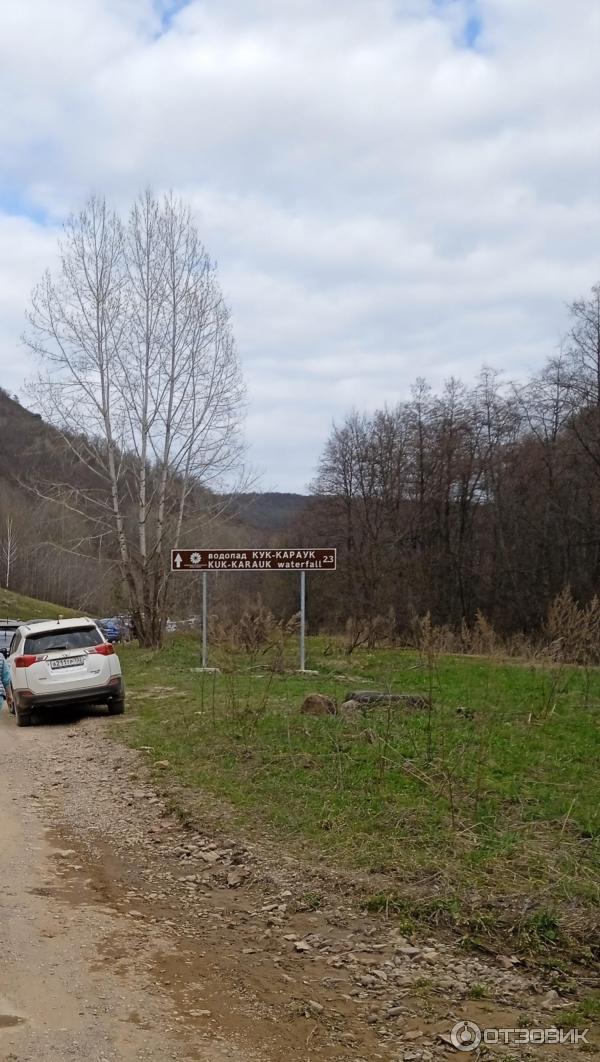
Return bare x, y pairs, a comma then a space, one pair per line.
583, 345
9, 550
143, 381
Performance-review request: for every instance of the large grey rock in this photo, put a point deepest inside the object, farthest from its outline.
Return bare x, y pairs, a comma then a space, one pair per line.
348, 707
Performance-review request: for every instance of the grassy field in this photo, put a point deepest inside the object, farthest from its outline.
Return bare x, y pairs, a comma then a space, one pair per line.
485, 818
16, 606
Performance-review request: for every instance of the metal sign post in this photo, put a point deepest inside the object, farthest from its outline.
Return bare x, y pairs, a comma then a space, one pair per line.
302, 621
253, 560
204, 622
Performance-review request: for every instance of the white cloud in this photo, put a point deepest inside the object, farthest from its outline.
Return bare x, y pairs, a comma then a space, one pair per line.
26, 249
383, 200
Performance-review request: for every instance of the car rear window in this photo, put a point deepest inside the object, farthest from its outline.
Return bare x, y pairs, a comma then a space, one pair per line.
73, 638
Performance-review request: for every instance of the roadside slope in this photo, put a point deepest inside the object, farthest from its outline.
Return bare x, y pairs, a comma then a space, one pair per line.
18, 606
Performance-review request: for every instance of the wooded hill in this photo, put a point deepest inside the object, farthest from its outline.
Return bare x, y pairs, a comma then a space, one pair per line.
46, 547
38, 540
482, 500
269, 511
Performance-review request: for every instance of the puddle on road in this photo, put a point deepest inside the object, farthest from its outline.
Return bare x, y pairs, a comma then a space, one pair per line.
7, 1020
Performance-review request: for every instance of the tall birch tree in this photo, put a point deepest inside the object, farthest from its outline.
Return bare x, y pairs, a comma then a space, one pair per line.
141, 376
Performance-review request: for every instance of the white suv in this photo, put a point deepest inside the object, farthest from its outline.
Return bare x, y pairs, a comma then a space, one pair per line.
64, 661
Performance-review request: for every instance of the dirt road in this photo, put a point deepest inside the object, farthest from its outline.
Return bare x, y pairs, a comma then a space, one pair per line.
59, 996
129, 934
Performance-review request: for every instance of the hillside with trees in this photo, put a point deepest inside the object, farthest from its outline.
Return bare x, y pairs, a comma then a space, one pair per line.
47, 550
40, 542
484, 499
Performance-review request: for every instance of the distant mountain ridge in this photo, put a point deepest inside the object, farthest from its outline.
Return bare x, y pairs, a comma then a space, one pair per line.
271, 511
27, 441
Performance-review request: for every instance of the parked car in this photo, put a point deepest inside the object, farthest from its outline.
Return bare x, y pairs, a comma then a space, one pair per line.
7, 629
111, 629
60, 662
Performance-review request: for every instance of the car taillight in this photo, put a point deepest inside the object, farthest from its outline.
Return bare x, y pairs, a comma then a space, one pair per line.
104, 650
27, 660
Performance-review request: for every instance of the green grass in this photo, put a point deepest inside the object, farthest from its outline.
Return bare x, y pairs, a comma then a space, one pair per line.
477, 992
17, 606
586, 1011
486, 820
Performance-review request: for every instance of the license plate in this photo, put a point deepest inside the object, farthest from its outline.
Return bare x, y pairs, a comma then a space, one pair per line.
66, 661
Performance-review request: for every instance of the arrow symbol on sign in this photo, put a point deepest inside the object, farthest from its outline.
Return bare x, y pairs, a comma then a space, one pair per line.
178, 561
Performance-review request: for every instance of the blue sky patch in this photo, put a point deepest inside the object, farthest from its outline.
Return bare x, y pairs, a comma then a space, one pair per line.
17, 204
473, 24
473, 27
168, 10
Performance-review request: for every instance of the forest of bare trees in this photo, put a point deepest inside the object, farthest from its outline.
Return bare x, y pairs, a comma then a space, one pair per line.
484, 498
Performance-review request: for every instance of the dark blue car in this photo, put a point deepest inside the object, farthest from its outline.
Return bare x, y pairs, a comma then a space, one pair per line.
111, 630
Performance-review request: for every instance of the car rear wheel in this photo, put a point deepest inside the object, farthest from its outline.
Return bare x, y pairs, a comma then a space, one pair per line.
117, 706
23, 718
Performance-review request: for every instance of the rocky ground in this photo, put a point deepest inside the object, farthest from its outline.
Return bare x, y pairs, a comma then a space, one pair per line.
148, 932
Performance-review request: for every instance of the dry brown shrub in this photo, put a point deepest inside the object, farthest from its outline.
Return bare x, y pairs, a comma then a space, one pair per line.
254, 629
572, 630
292, 625
521, 645
382, 630
355, 634
372, 632
571, 635
484, 640
432, 639
465, 636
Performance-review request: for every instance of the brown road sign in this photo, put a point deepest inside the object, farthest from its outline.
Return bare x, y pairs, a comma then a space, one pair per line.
281, 560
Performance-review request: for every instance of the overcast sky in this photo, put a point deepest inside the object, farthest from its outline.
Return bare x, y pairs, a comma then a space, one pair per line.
391, 188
